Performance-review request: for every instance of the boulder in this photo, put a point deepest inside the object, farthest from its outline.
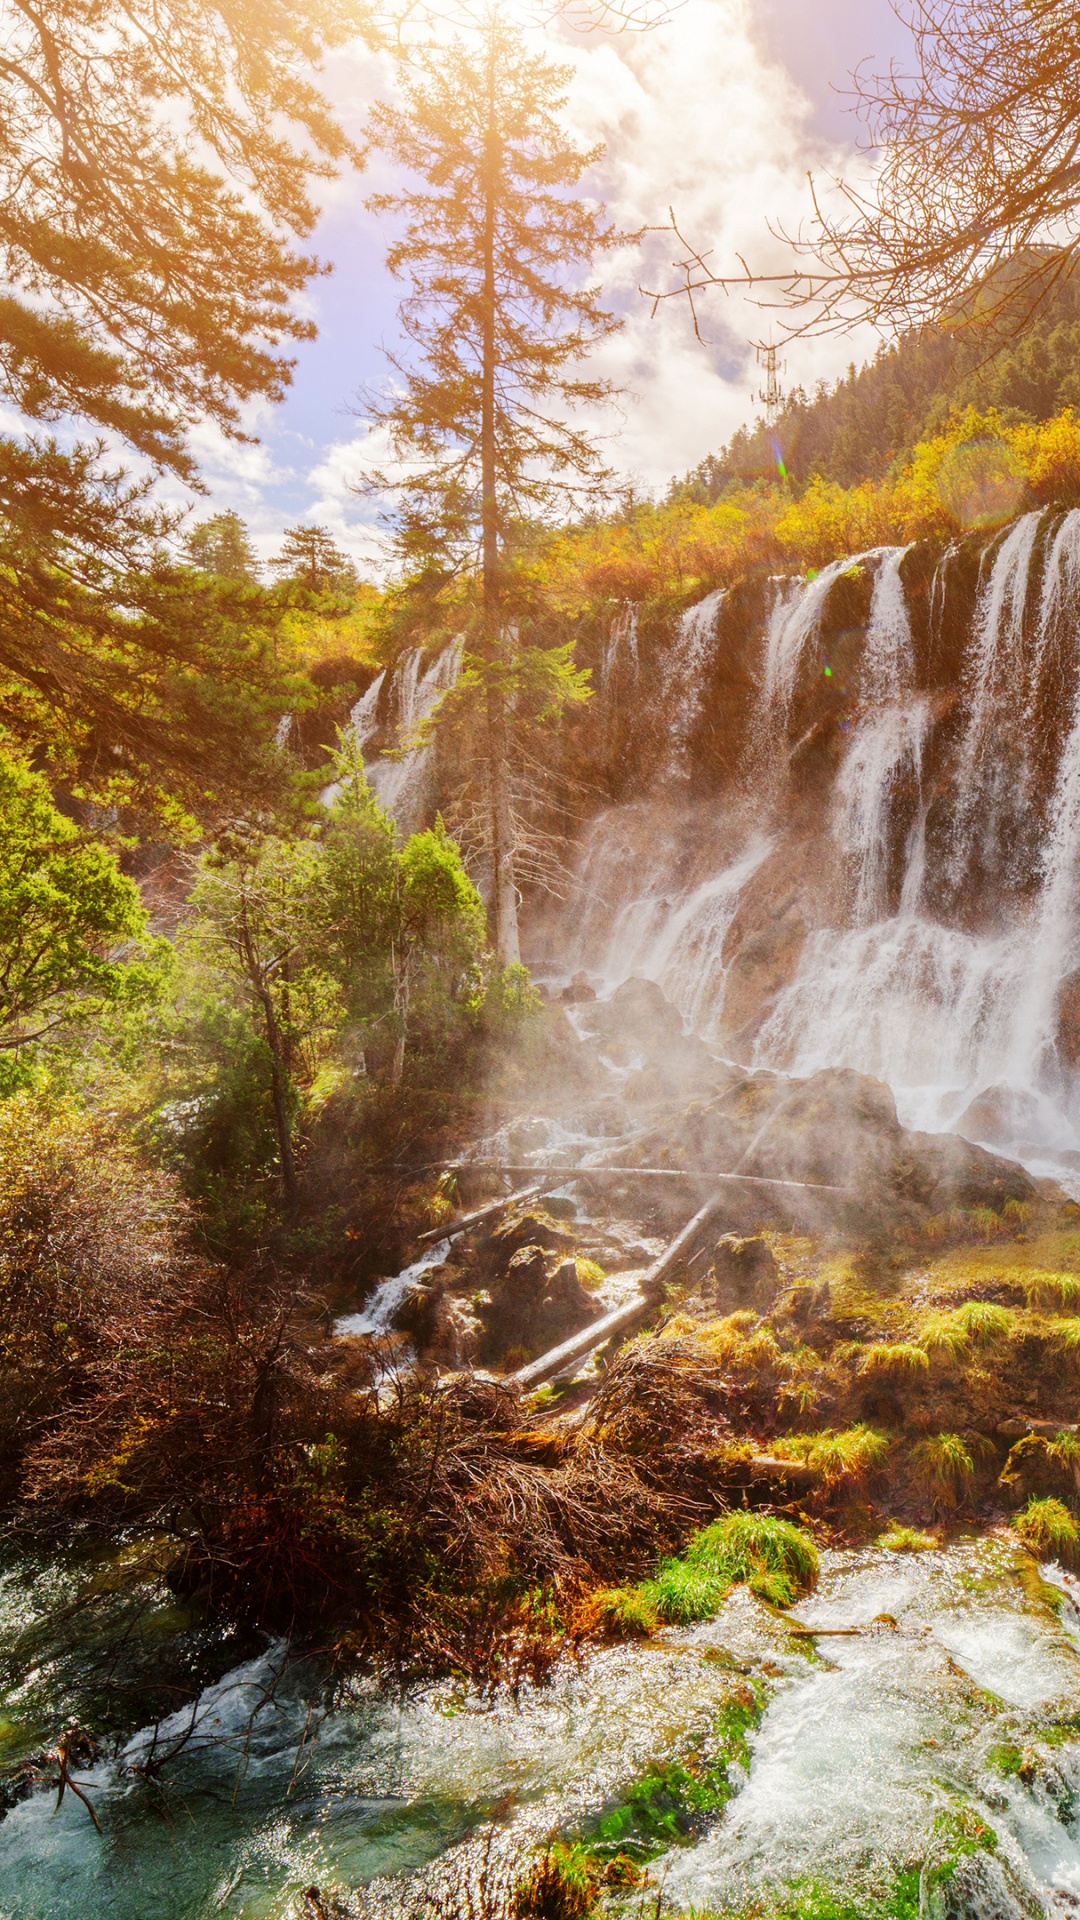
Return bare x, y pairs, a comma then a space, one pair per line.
1000, 1115
536, 1228
538, 1302
637, 1028
743, 1274
579, 989
977, 1886
951, 1172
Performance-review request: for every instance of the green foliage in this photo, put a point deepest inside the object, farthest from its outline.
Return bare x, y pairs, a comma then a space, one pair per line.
626, 1610
956, 1331
852, 1454
775, 1559
222, 546
900, 1539
179, 143
310, 559
680, 1593
1048, 1528
943, 1464
478, 128
65, 909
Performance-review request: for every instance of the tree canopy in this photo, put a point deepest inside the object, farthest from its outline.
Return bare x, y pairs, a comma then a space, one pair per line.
497, 251
66, 914
157, 164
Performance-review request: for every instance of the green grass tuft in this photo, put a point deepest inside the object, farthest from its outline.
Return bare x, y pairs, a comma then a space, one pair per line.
901, 1357
851, 1454
943, 1464
901, 1539
1047, 1527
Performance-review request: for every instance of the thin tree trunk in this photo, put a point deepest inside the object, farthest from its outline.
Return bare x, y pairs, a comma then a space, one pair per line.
402, 986
279, 1082
504, 914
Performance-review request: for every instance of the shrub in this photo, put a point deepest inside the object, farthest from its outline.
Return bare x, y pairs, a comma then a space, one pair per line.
1047, 1527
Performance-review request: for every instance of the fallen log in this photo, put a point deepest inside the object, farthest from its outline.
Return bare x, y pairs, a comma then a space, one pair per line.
571, 1352
478, 1214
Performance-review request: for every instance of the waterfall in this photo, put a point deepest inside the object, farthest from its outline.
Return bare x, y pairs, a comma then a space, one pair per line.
620, 648
795, 619
931, 916
639, 909
683, 675
887, 740
384, 719
992, 764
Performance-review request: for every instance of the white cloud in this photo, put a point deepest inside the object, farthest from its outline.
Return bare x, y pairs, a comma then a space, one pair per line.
694, 115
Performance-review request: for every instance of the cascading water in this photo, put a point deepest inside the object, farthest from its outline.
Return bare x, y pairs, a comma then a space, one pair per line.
937, 956
386, 717
683, 677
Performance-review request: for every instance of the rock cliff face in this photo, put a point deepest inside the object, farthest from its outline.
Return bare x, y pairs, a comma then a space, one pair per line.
837, 820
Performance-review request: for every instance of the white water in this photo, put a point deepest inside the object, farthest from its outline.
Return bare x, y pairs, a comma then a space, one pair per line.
860, 1749
940, 1010
683, 691
664, 930
401, 784
377, 1316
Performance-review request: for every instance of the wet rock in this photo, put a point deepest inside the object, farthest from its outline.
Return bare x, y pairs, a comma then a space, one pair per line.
1067, 1019
1000, 1114
977, 1886
579, 989
743, 1274
538, 1301
1037, 1468
637, 1029
952, 1172
537, 1228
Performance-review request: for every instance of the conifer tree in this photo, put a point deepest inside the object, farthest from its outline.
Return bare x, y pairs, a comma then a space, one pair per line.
222, 546
496, 253
311, 556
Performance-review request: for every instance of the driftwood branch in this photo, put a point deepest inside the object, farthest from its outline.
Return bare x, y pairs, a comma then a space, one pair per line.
559, 1358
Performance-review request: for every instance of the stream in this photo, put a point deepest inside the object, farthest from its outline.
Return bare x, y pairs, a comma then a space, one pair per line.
866, 1740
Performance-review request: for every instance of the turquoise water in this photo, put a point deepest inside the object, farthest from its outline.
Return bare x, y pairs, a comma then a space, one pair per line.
863, 1745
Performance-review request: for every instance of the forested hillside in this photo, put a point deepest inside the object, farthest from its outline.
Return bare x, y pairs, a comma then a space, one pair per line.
1023, 365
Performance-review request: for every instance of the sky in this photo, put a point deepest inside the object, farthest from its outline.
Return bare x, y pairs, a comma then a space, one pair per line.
719, 112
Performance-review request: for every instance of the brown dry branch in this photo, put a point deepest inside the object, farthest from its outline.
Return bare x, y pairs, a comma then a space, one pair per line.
973, 212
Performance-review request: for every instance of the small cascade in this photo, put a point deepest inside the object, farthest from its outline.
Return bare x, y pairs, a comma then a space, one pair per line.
887, 742
384, 719
991, 775
620, 655
378, 1315
795, 619
684, 675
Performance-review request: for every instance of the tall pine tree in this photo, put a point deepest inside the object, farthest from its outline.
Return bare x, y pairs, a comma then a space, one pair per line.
496, 250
